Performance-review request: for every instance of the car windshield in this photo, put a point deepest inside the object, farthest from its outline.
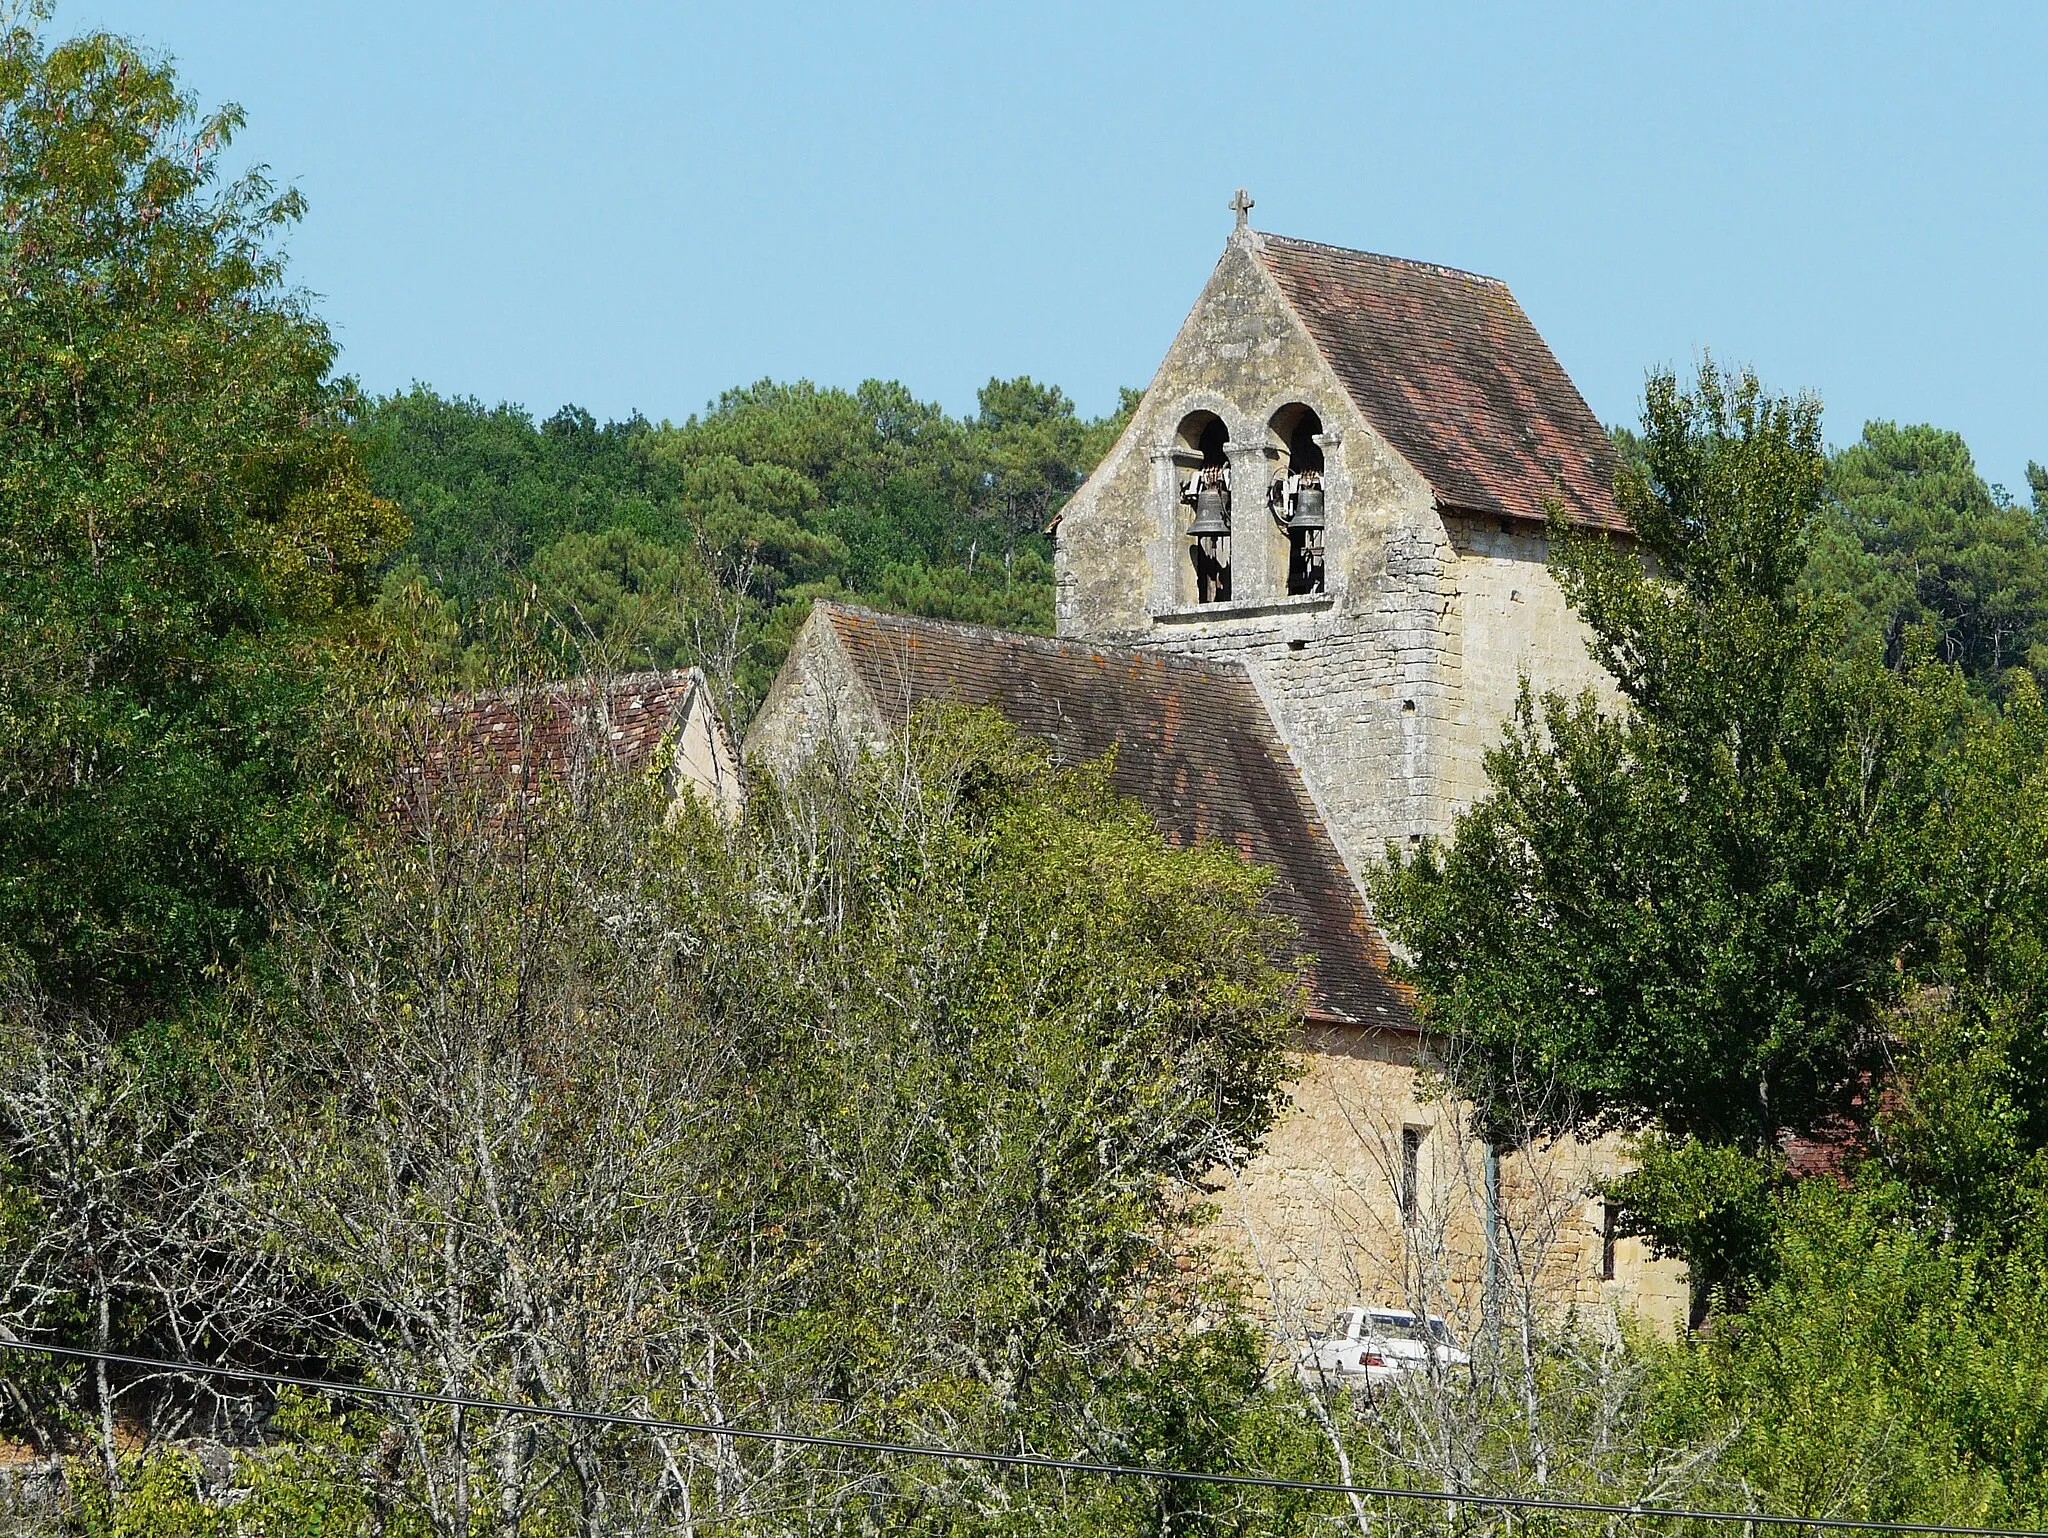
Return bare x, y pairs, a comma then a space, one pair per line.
1393, 1326
1396, 1327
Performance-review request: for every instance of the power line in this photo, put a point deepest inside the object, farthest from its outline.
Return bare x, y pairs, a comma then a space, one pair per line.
1002, 1460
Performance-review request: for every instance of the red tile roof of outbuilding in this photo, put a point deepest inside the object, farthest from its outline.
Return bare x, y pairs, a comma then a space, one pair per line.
1447, 367
520, 739
1194, 746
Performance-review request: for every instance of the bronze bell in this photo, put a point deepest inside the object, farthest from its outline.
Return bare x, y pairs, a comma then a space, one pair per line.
1308, 508
1212, 512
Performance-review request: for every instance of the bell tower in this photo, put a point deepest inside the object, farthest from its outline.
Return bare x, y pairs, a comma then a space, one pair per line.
1339, 478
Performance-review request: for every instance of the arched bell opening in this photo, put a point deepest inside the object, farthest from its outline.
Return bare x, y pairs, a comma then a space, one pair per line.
1203, 469
1297, 494
1204, 433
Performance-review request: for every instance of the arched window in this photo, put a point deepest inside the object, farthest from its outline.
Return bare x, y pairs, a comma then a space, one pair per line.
1296, 495
1205, 494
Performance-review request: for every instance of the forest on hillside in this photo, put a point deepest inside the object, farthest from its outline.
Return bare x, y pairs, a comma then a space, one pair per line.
383, 1154
630, 533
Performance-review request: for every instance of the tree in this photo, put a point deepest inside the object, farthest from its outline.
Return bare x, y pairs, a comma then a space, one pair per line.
804, 492
1912, 538
884, 1113
1688, 914
1967, 1129
1880, 1372
114, 1227
1035, 451
486, 488
1785, 885
622, 600
182, 526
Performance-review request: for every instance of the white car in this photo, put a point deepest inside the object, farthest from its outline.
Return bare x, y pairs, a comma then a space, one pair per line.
1374, 1348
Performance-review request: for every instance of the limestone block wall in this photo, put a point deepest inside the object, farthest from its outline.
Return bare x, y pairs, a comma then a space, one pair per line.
1355, 676
1359, 705
1318, 1222
1508, 620
814, 701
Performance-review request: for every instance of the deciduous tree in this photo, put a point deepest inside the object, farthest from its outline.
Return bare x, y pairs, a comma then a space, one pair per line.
182, 519
1688, 912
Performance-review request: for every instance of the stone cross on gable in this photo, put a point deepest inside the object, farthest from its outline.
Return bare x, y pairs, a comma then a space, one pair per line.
1241, 205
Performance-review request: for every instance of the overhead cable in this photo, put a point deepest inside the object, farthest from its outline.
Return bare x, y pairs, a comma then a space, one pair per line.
1003, 1460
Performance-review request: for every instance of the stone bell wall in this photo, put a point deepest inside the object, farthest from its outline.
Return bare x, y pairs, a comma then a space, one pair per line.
1391, 685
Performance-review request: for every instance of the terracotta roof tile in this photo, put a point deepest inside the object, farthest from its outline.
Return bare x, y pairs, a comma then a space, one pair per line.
526, 738
1194, 746
1448, 368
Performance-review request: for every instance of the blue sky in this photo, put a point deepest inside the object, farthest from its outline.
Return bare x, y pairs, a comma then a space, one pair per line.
638, 205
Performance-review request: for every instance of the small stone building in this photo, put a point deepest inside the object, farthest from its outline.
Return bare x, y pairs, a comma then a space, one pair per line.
1298, 597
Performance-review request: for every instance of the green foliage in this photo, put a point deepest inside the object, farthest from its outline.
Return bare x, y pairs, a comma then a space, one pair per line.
1688, 914
1707, 1203
781, 493
307, 1484
626, 596
1968, 1126
1881, 1373
181, 520
885, 1110
889, 498
1913, 539
486, 489
1021, 951
1797, 882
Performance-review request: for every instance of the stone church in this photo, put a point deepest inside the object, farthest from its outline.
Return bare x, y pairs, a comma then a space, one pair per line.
1298, 598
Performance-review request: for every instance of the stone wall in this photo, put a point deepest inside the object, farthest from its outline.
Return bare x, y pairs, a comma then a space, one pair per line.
816, 700
1391, 685
1318, 1224
1509, 621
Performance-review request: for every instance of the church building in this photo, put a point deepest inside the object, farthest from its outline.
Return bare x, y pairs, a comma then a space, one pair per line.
1298, 598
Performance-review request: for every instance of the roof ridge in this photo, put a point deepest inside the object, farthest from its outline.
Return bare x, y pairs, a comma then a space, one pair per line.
1448, 367
1216, 668
1396, 261
562, 688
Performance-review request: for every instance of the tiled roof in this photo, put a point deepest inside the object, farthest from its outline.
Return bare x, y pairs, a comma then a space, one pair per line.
1819, 1153
526, 738
1194, 746
1447, 367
